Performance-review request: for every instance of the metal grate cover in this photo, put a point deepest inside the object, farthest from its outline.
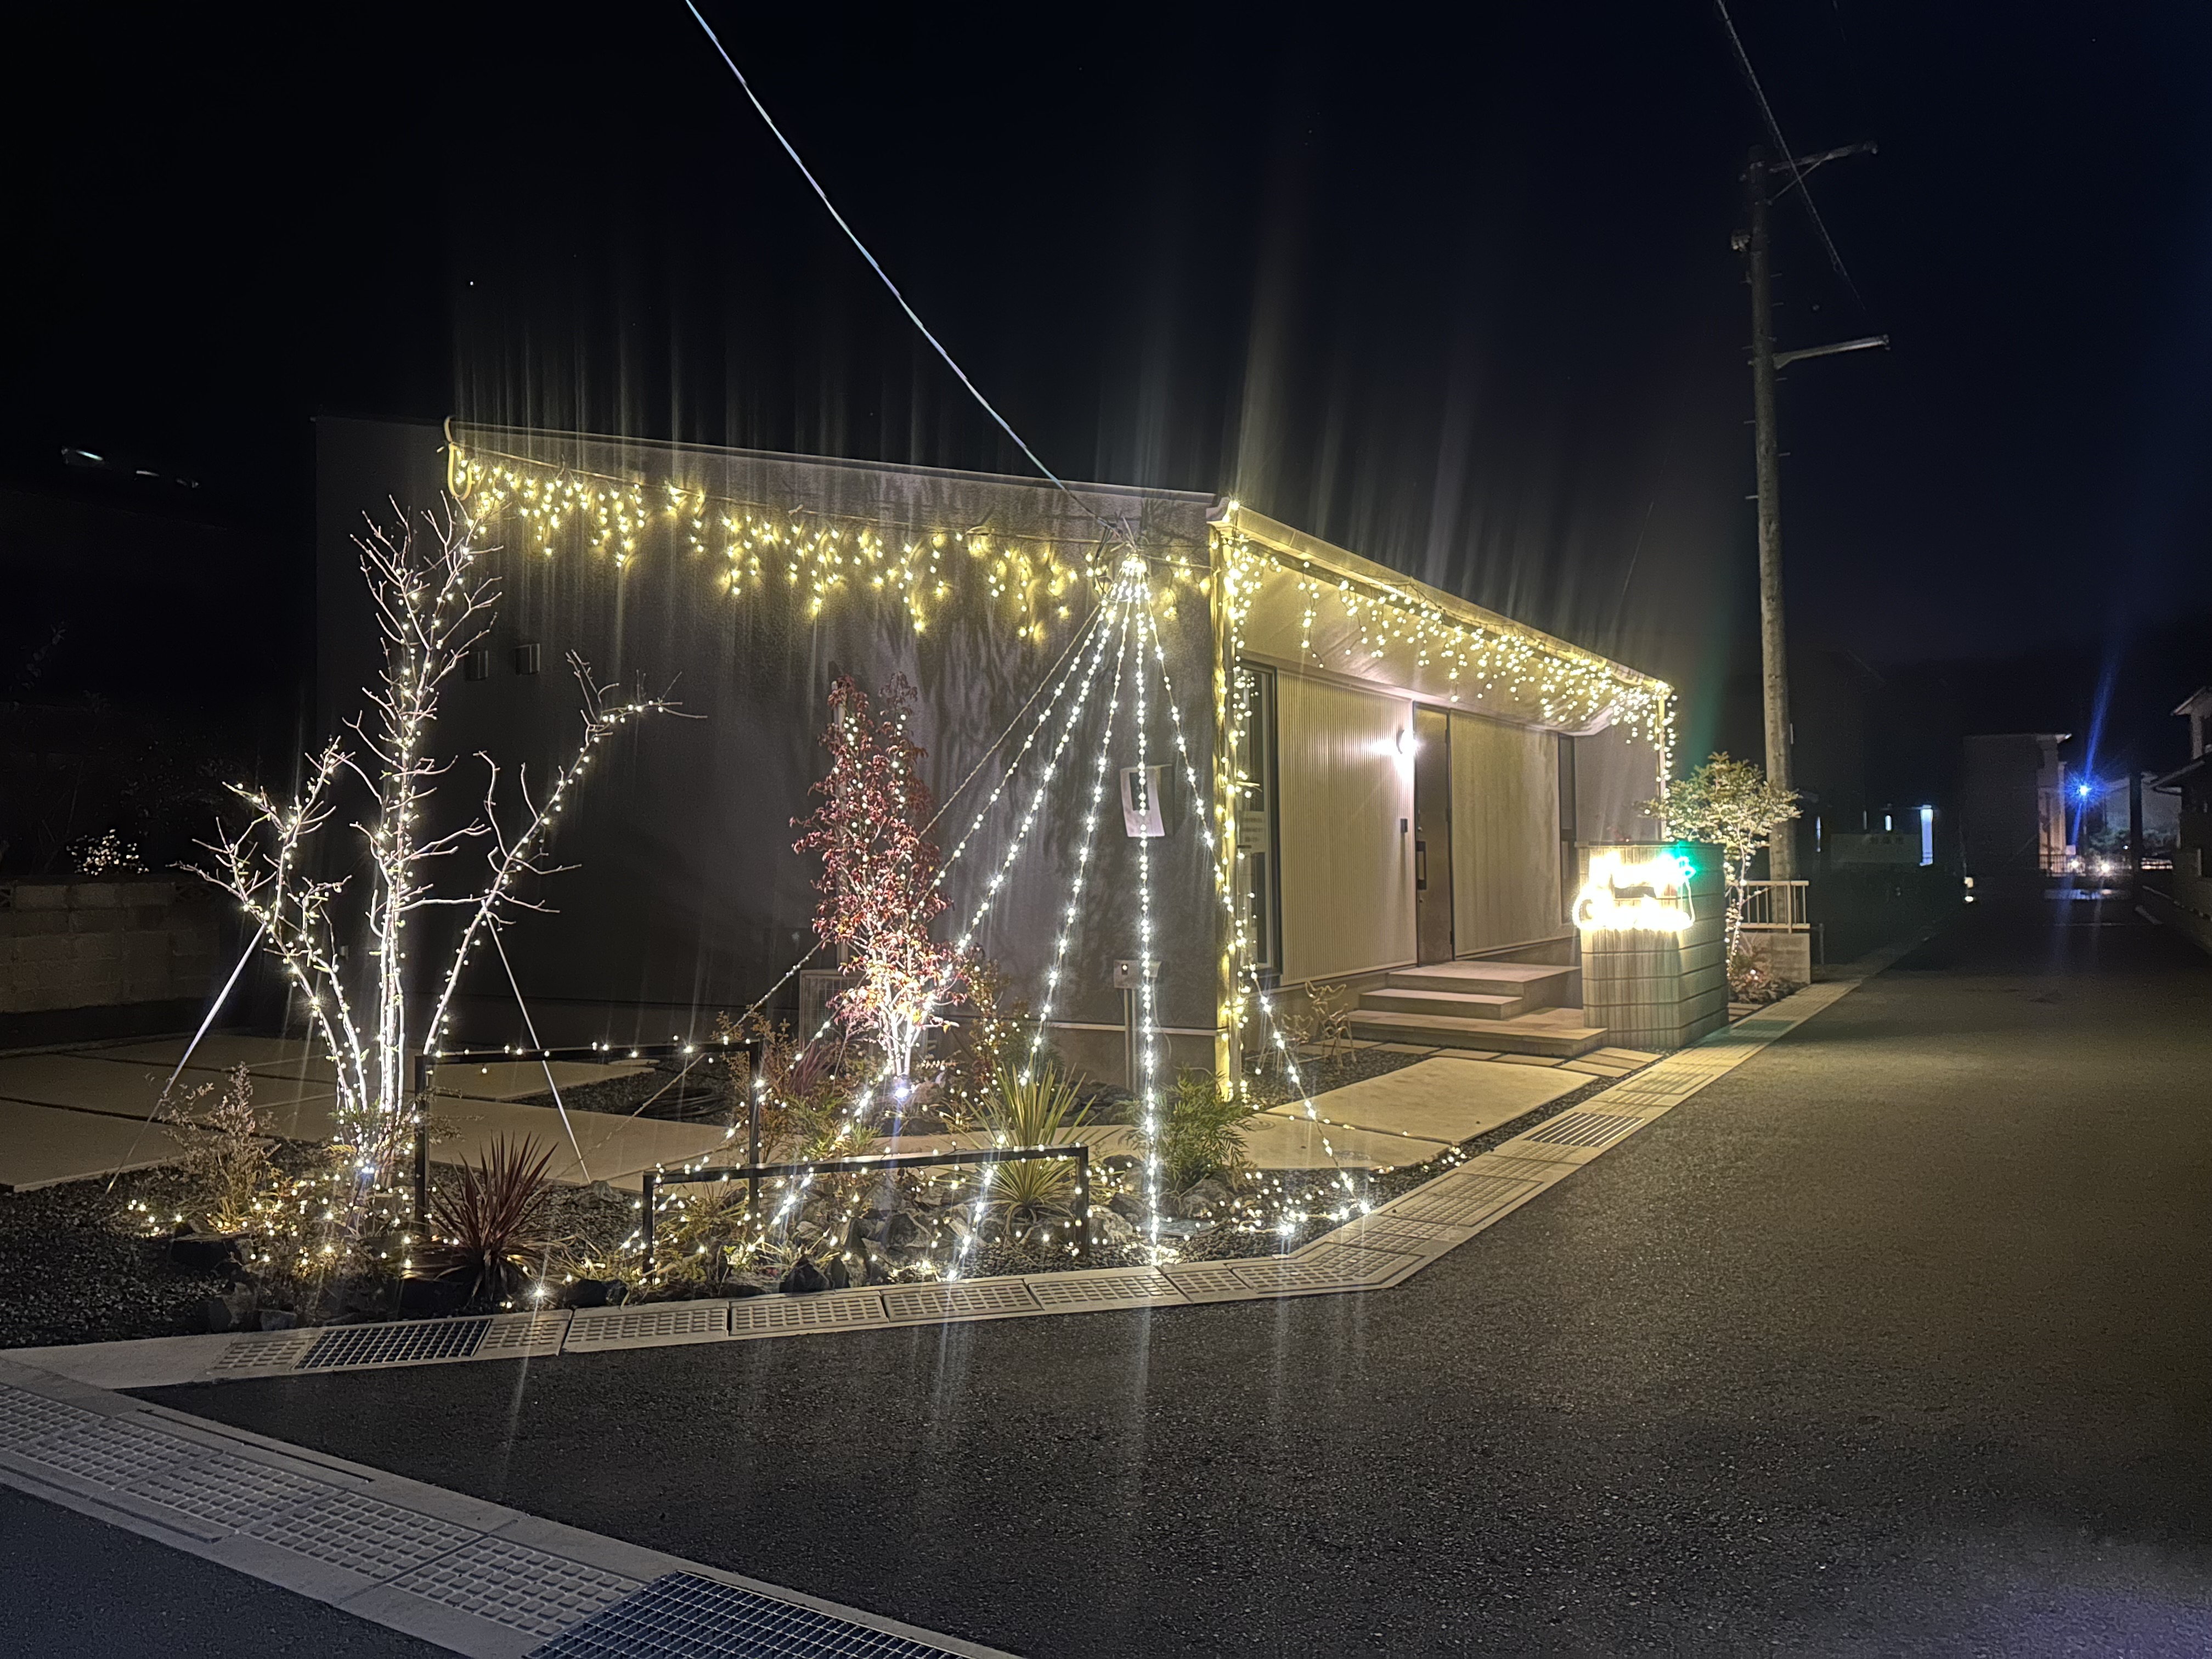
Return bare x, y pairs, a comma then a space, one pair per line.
1103, 1287
1465, 1200
276, 1351
684, 1616
1585, 1129
830, 1311
515, 1585
980, 1296
395, 1345
643, 1327
365, 1536
523, 1334
1357, 1264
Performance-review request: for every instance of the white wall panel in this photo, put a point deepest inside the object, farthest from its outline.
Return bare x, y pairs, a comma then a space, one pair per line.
1505, 834
1347, 872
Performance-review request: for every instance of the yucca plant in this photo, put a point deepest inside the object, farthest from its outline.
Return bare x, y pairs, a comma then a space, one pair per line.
493, 1221
1038, 1109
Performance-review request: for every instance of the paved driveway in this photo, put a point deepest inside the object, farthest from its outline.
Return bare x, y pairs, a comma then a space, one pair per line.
1896, 1339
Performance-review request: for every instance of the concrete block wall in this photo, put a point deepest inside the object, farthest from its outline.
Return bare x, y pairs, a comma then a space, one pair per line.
1662, 989
94, 943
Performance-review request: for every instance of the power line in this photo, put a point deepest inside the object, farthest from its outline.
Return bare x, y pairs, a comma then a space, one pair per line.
1782, 148
873, 264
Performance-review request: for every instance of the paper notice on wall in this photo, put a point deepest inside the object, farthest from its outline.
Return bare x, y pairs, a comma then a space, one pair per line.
1140, 800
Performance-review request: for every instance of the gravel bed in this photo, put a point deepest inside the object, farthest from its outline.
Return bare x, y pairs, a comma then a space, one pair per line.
79, 1270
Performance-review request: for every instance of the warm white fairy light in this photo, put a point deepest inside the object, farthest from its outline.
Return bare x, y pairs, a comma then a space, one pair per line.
1148, 1101
432, 610
1101, 781
817, 556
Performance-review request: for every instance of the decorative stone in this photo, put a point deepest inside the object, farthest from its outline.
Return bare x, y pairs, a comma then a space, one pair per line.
205, 1253
904, 1230
804, 1279
1208, 1198
278, 1319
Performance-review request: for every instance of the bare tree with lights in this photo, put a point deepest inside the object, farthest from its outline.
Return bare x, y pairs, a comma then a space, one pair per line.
880, 882
343, 940
1731, 803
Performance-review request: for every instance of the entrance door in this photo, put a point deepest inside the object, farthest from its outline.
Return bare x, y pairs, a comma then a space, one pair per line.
1432, 860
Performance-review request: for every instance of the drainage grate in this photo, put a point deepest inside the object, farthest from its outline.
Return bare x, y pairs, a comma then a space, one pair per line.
1356, 1264
1281, 1276
515, 1585
25, 1417
1393, 1229
228, 1491
1583, 1129
980, 1296
1207, 1281
648, 1326
278, 1351
831, 1310
395, 1345
523, 1334
113, 1453
364, 1535
684, 1616
1104, 1287
1464, 1200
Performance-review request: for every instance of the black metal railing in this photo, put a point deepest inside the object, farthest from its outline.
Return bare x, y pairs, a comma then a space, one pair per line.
597, 1054
754, 1174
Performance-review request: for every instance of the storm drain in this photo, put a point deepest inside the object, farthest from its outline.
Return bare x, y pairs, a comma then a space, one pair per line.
513, 1584
395, 1345
1120, 1287
1583, 1129
981, 1295
765, 1315
276, 1351
684, 1616
1462, 1202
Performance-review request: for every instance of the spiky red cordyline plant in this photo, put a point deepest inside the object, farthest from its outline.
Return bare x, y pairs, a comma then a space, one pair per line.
879, 870
492, 1217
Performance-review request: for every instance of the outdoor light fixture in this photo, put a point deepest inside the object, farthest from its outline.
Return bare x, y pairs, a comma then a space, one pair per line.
2082, 790
1631, 890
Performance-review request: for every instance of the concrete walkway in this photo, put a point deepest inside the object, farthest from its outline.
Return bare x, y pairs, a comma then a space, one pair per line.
85, 1113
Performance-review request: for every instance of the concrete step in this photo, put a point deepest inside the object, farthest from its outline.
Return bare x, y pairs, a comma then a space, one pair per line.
1458, 1005
1538, 985
1556, 1032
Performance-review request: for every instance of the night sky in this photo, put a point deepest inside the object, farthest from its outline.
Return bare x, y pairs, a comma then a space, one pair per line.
1460, 296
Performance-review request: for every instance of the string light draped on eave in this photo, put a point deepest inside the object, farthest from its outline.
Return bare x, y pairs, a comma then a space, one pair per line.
1028, 581
1510, 672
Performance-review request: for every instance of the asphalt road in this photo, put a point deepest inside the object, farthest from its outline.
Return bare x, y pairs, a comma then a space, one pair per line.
1894, 1341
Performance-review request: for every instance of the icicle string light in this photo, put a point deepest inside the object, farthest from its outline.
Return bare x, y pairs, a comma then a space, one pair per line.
1517, 672
815, 557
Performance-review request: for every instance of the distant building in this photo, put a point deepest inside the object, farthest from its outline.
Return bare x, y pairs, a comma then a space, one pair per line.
2012, 805
2185, 900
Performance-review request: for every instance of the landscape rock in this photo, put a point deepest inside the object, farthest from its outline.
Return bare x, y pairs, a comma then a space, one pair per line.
1130, 1206
804, 1279
1208, 1198
278, 1319
904, 1230
205, 1252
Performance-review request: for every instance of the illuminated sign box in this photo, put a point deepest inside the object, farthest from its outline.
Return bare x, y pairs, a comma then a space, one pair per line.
1636, 889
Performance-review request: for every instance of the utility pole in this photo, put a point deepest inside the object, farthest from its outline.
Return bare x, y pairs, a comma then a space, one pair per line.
1766, 453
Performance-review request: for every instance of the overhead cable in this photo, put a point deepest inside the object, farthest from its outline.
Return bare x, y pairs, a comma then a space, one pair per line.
1782, 148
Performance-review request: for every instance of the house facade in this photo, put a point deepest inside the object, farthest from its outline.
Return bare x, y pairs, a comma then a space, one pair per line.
1328, 774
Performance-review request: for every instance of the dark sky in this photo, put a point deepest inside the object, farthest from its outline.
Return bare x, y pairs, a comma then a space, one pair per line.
1458, 294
